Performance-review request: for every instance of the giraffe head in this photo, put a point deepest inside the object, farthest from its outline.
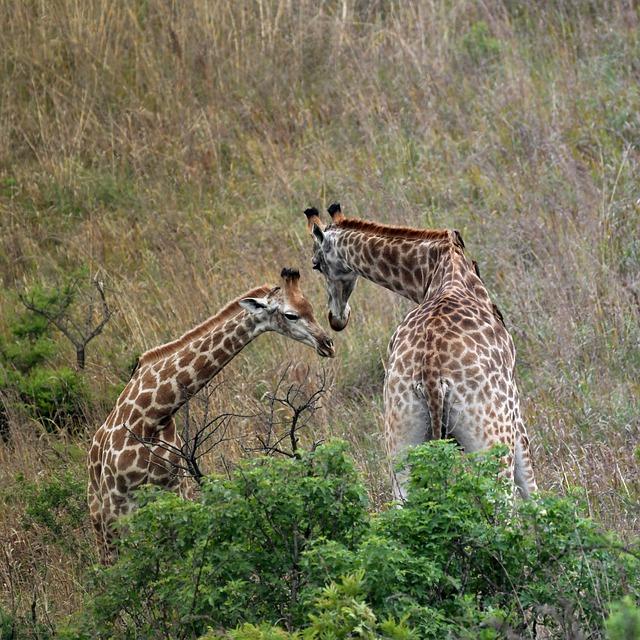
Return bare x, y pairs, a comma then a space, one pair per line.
340, 279
285, 310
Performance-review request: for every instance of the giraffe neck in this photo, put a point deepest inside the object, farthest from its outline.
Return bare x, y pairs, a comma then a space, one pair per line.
454, 270
162, 386
403, 265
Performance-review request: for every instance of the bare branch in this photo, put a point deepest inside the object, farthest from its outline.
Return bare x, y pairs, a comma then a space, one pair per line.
299, 404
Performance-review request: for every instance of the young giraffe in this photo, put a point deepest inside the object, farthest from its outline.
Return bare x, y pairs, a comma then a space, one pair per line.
451, 368
164, 379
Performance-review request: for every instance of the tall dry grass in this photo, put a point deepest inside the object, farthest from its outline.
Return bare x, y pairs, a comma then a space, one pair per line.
171, 146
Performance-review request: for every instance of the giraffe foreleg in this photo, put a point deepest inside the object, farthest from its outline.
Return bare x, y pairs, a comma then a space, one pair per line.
95, 513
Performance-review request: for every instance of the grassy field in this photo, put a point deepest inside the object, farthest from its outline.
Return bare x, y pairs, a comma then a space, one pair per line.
170, 148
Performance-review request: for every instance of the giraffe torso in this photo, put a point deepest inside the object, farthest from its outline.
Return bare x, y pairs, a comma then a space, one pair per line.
454, 342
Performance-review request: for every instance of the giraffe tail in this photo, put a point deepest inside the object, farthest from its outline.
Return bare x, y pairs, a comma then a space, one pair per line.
437, 395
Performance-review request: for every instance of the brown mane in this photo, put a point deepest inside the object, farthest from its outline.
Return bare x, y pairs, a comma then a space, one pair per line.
230, 310
393, 231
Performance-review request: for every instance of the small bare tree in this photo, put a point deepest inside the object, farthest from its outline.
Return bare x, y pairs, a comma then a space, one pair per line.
290, 407
59, 314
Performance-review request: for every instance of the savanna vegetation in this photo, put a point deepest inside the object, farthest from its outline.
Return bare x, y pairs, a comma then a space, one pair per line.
161, 153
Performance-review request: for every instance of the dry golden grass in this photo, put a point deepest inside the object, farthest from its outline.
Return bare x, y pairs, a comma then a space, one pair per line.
171, 147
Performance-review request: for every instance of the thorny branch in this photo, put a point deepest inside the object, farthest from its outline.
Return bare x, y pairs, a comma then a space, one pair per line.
199, 437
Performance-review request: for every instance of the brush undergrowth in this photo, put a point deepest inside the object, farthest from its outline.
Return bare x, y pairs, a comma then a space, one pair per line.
290, 542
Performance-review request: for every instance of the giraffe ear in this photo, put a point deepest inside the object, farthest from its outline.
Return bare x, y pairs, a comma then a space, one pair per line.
254, 305
318, 234
457, 239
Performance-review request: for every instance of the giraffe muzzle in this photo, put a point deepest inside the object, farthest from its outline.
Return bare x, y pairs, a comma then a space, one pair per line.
336, 323
325, 347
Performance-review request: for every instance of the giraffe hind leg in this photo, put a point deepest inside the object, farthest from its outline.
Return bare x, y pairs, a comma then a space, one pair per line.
407, 424
95, 514
523, 475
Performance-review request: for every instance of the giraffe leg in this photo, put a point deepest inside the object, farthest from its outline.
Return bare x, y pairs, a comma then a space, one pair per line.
188, 488
477, 426
116, 505
95, 513
524, 477
107, 550
406, 423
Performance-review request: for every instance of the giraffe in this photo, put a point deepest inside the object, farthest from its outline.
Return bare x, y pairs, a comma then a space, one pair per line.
123, 455
451, 361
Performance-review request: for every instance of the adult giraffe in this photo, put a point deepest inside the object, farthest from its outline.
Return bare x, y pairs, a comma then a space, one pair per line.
138, 441
451, 368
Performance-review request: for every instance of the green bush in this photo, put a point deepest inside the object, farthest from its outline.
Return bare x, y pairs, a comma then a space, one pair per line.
624, 621
7, 625
289, 543
340, 612
13, 627
58, 506
235, 556
54, 396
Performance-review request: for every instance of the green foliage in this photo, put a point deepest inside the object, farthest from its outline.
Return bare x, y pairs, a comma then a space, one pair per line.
30, 343
54, 396
340, 612
7, 625
253, 632
57, 507
13, 627
343, 613
288, 542
624, 621
236, 555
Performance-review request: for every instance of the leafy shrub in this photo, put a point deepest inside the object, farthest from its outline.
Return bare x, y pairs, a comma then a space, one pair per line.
52, 396
55, 396
7, 625
29, 343
14, 627
461, 559
57, 506
233, 557
340, 612
624, 621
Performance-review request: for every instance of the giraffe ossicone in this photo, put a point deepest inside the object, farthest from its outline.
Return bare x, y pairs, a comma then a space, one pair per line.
138, 442
451, 361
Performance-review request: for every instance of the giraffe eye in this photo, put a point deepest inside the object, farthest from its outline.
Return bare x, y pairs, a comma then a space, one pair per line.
291, 316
